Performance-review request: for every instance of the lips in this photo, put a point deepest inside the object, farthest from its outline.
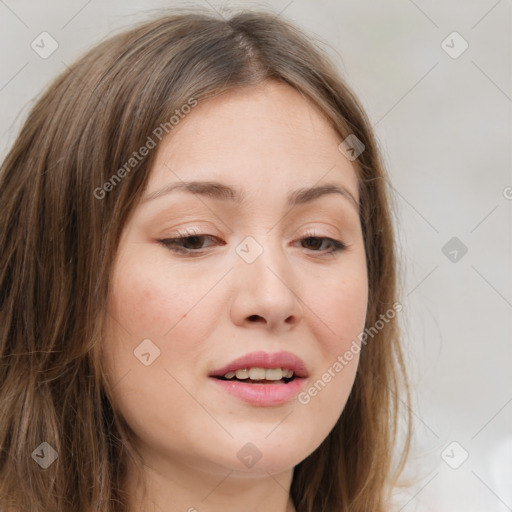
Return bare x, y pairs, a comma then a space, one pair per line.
262, 393
265, 360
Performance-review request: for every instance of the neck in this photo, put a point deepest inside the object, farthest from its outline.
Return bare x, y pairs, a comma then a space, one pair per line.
174, 487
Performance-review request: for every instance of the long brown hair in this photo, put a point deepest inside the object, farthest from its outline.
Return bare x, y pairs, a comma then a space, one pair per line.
59, 238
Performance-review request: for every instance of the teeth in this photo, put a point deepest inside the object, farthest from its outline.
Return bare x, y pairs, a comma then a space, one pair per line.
260, 374
270, 374
242, 374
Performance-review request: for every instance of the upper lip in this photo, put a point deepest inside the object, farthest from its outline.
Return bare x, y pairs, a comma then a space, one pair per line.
265, 360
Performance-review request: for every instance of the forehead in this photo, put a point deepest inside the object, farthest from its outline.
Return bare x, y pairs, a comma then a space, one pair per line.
263, 137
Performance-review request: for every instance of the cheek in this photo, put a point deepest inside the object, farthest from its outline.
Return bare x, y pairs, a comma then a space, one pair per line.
343, 305
173, 307
149, 301
340, 304
144, 305
149, 298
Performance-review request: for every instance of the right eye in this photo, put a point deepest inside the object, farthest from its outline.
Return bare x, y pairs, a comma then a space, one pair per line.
188, 244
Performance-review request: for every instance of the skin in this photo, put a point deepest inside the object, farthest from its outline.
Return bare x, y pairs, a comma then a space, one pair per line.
204, 311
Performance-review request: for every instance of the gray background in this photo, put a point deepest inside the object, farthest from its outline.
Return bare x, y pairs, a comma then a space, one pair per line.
444, 125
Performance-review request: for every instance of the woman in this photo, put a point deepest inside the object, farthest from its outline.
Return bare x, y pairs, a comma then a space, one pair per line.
198, 281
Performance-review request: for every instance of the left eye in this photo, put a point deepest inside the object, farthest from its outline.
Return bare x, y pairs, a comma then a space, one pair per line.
335, 244
194, 244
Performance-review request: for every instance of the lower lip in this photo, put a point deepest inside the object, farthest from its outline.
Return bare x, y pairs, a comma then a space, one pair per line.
263, 395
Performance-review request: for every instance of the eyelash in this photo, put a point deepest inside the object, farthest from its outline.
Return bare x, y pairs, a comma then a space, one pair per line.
170, 243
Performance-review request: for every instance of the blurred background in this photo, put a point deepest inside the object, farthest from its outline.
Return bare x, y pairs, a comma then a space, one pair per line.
435, 79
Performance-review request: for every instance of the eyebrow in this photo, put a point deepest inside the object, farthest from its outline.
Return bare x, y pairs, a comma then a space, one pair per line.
220, 191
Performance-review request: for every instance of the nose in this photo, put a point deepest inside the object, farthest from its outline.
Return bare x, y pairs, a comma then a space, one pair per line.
267, 293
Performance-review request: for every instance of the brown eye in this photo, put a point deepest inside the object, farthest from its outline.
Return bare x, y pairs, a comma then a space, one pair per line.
188, 244
314, 243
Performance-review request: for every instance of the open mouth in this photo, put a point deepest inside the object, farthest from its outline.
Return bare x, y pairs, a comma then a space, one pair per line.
284, 380
261, 386
259, 376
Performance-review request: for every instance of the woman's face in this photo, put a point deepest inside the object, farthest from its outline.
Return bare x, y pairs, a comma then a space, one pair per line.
262, 274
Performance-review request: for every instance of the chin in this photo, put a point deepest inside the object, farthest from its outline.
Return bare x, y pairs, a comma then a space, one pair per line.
264, 456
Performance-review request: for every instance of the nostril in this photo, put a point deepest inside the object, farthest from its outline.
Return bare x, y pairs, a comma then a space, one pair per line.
256, 318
